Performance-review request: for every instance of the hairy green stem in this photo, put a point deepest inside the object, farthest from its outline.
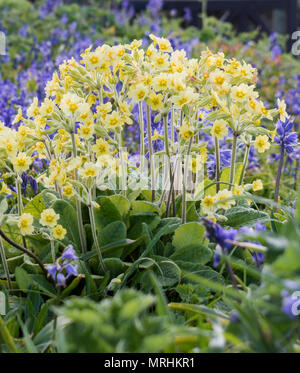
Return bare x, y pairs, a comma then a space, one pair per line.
19, 195
152, 165
172, 125
183, 202
123, 174
94, 233
167, 150
5, 266
52, 250
245, 163
276, 194
142, 140
78, 203
217, 150
233, 157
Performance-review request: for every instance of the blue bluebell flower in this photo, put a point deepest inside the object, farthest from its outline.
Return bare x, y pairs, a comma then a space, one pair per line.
291, 306
63, 268
220, 236
285, 138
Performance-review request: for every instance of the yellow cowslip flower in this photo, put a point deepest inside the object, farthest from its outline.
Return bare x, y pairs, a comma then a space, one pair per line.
71, 104
21, 162
52, 88
208, 203
93, 60
273, 133
242, 92
155, 101
160, 61
10, 146
203, 153
163, 44
104, 160
177, 82
115, 166
114, 120
49, 218
40, 147
40, 122
18, 117
156, 136
86, 131
85, 115
5, 189
23, 131
212, 218
257, 185
59, 232
89, 170
261, 143
139, 92
101, 147
161, 82
218, 77
196, 164
104, 109
224, 199
188, 96
219, 129
282, 110
47, 107
238, 190
266, 113
74, 163
25, 224
92, 99
186, 132
135, 44
33, 109
68, 190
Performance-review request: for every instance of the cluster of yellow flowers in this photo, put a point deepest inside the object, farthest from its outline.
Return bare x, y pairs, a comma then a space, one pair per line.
79, 125
48, 219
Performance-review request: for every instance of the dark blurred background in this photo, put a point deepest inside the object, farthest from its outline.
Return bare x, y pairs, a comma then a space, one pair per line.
266, 15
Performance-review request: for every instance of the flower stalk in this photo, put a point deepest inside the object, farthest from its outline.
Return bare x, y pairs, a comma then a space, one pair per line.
94, 232
78, 203
5, 265
245, 163
233, 158
19, 195
152, 165
142, 139
217, 151
279, 171
52, 249
167, 150
183, 202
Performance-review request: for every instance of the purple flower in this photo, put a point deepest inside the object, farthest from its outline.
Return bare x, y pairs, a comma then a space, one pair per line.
52, 270
286, 139
188, 15
291, 305
60, 280
63, 269
69, 254
71, 270
219, 235
154, 6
